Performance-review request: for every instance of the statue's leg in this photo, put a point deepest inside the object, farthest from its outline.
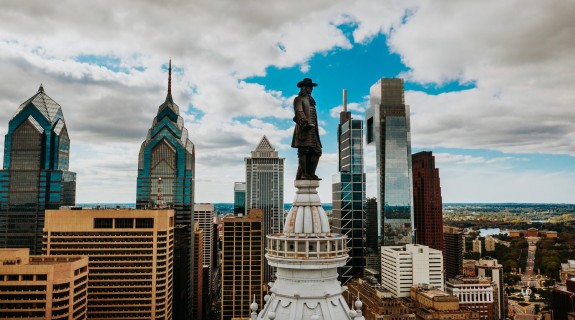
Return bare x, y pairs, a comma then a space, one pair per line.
313, 162
302, 170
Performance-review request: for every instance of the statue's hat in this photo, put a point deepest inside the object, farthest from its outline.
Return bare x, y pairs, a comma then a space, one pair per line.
306, 82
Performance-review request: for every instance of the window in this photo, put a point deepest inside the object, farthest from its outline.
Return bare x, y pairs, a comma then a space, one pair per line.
124, 223
102, 223
146, 223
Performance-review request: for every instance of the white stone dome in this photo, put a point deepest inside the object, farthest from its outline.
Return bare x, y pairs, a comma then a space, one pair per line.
306, 215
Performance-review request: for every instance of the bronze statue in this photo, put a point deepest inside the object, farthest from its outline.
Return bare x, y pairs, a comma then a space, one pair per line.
306, 133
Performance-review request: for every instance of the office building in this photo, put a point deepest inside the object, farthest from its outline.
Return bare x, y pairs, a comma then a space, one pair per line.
306, 256
489, 268
434, 304
265, 189
204, 215
427, 202
371, 226
239, 198
476, 293
198, 276
378, 303
242, 264
567, 270
35, 175
42, 287
476, 245
412, 264
490, 243
348, 194
130, 258
452, 252
389, 129
166, 172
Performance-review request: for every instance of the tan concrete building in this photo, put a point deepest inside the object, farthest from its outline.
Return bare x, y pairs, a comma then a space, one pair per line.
490, 244
378, 302
197, 305
242, 264
42, 287
130, 258
434, 304
477, 245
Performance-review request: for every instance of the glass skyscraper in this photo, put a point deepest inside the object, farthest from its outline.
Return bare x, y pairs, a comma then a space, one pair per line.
239, 198
389, 129
265, 189
35, 175
348, 194
166, 171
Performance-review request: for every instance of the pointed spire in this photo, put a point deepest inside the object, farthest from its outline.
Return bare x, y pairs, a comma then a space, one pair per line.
41, 89
169, 96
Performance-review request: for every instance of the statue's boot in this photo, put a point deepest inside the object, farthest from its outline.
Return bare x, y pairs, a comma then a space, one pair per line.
302, 172
313, 161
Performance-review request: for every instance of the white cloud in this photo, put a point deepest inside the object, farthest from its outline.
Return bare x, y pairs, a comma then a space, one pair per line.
518, 53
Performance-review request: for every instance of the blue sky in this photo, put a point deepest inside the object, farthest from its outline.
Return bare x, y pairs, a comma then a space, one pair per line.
494, 104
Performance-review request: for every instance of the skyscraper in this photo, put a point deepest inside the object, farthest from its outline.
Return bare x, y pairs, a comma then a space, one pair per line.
348, 193
427, 203
265, 188
239, 198
166, 172
35, 175
389, 129
452, 251
130, 258
242, 264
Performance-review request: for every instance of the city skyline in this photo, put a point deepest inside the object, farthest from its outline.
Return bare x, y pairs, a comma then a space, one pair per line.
494, 107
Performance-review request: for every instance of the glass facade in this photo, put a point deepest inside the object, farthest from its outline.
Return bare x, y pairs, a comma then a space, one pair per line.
35, 175
166, 169
389, 129
348, 195
239, 198
265, 189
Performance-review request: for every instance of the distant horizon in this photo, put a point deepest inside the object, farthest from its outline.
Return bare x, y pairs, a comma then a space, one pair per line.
495, 108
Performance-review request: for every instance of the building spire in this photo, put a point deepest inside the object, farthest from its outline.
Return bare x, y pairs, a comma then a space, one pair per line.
41, 89
169, 96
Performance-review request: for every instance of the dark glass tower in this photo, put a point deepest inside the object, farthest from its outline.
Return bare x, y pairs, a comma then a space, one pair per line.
348, 194
166, 170
35, 175
239, 198
427, 203
452, 252
389, 129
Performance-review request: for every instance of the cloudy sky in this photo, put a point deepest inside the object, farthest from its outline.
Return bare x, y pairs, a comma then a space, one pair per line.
490, 85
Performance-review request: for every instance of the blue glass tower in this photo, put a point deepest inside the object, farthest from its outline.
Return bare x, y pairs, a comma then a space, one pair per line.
388, 128
348, 194
166, 169
35, 175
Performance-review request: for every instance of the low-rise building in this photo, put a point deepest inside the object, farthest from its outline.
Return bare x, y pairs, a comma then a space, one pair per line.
476, 293
43, 287
563, 300
378, 302
434, 304
567, 270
